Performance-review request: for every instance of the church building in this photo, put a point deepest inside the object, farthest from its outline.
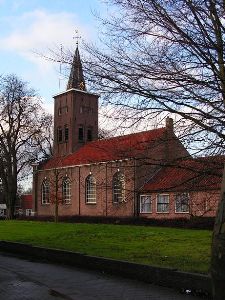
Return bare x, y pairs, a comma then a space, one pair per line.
114, 177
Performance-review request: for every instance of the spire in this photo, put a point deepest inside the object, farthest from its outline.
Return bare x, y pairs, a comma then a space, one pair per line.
76, 79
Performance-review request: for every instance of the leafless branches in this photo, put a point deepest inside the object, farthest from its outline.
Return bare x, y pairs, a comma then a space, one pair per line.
23, 126
166, 56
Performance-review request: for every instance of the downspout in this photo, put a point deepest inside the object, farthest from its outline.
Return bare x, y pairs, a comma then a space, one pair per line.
79, 193
106, 192
34, 190
135, 194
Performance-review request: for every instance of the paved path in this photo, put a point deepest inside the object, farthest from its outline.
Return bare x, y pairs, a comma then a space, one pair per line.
27, 280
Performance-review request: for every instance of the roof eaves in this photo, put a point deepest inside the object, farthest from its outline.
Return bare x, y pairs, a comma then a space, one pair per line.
87, 164
76, 90
172, 190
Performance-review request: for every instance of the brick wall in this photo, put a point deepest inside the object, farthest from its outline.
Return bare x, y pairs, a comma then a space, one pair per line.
104, 206
202, 203
73, 109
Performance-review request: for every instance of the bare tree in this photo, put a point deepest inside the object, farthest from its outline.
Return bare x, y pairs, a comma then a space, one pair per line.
169, 56
45, 140
166, 56
56, 195
22, 128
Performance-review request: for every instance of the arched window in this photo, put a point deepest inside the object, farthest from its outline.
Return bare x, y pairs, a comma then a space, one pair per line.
59, 135
81, 133
89, 134
90, 187
66, 133
66, 190
118, 187
45, 192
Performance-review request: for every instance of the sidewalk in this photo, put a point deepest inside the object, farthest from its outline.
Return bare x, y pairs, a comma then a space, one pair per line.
159, 276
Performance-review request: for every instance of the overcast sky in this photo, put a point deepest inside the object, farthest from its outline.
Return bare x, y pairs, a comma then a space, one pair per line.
29, 26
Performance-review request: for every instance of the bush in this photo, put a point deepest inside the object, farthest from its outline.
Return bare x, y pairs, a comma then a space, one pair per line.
192, 223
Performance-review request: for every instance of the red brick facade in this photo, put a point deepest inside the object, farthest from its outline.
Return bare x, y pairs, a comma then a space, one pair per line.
151, 153
74, 111
201, 203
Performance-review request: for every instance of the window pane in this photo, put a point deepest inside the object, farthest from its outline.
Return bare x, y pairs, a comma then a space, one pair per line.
66, 191
81, 133
59, 134
66, 133
89, 134
182, 202
118, 187
162, 203
45, 192
145, 204
90, 189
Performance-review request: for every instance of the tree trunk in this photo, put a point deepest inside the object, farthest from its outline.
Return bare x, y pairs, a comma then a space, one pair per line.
56, 212
10, 195
10, 204
218, 249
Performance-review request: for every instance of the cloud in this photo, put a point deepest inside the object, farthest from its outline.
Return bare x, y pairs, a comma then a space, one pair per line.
17, 4
39, 30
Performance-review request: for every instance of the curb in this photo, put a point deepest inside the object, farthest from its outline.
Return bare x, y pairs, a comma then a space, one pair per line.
160, 276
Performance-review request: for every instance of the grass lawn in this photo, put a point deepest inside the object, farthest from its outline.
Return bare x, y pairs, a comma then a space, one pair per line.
183, 249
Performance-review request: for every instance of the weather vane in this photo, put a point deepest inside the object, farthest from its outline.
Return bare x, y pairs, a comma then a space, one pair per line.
77, 37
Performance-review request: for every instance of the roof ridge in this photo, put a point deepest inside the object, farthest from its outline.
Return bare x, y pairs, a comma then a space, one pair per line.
130, 134
121, 147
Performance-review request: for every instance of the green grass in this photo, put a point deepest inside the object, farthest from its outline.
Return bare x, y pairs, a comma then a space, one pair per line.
183, 249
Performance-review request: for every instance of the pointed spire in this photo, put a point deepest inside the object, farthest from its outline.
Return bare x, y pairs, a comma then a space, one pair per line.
76, 79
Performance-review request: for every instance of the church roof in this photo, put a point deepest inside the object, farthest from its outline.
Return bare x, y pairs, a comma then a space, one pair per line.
203, 173
76, 79
116, 148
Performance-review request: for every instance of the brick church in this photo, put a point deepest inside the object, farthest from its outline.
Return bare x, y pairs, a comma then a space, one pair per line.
126, 176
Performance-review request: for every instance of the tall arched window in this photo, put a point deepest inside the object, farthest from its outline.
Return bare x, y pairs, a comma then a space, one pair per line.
45, 192
118, 187
66, 190
90, 187
59, 135
66, 133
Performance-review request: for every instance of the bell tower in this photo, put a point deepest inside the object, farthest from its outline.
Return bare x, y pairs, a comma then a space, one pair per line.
75, 113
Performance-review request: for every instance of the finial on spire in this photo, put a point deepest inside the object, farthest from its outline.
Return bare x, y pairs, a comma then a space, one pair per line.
77, 37
76, 79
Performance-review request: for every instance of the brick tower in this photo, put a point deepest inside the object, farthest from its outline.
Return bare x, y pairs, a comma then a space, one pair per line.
75, 113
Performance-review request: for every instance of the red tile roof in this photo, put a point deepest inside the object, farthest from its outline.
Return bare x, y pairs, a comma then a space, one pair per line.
116, 148
187, 175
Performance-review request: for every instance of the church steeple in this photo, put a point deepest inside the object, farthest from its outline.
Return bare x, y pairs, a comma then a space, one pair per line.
76, 79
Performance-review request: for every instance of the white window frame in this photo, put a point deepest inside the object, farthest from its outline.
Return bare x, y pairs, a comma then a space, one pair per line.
182, 211
66, 190
118, 187
2, 212
28, 212
165, 203
90, 189
45, 190
147, 203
